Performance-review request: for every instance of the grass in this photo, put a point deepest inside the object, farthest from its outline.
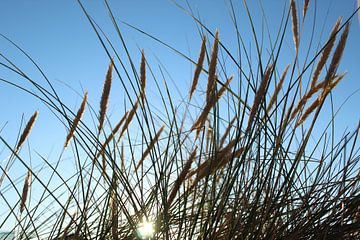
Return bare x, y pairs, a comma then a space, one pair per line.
238, 160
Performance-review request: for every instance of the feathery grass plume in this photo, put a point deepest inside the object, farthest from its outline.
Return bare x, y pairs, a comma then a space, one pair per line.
308, 111
314, 90
26, 131
113, 132
142, 76
277, 89
212, 165
305, 8
129, 119
105, 95
199, 123
260, 93
210, 90
150, 146
325, 53
295, 24
223, 88
305, 98
76, 121
315, 104
25, 191
336, 80
227, 131
220, 154
181, 177
335, 61
198, 68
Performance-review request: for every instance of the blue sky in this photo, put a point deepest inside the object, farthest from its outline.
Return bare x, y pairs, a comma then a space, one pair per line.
58, 36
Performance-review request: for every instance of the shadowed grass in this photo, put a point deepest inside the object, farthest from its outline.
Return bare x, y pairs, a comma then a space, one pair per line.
249, 171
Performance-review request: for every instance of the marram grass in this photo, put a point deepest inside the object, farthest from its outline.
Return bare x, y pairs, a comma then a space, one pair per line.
237, 158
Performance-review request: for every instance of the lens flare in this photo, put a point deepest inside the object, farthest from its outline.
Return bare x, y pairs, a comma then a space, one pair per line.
145, 229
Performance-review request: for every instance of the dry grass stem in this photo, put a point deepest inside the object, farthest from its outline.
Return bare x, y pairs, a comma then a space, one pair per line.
129, 119
181, 177
199, 123
259, 96
314, 90
305, 8
227, 131
216, 161
76, 121
319, 100
25, 191
308, 111
26, 131
209, 135
105, 95
277, 89
122, 157
335, 61
114, 209
198, 68
103, 167
142, 76
212, 69
325, 53
112, 134
150, 146
295, 25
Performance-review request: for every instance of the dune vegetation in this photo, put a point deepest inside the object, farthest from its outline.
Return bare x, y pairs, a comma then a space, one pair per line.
241, 156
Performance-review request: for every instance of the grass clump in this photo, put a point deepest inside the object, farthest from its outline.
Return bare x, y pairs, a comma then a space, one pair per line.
250, 165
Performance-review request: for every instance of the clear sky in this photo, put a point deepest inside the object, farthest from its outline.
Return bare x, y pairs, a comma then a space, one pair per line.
58, 36
60, 39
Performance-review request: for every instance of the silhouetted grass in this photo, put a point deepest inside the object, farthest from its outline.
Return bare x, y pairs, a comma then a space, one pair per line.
233, 161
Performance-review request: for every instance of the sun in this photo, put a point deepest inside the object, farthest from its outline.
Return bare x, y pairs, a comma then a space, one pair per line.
145, 229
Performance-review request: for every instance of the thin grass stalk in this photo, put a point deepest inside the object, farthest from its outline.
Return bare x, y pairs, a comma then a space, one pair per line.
150, 146
209, 135
222, 156
181, 177
129, 119
315, 89
142, 76
122, 157
277, 89
199, 123
114, 210
112, 134
227, 131
313, 106
259, 96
